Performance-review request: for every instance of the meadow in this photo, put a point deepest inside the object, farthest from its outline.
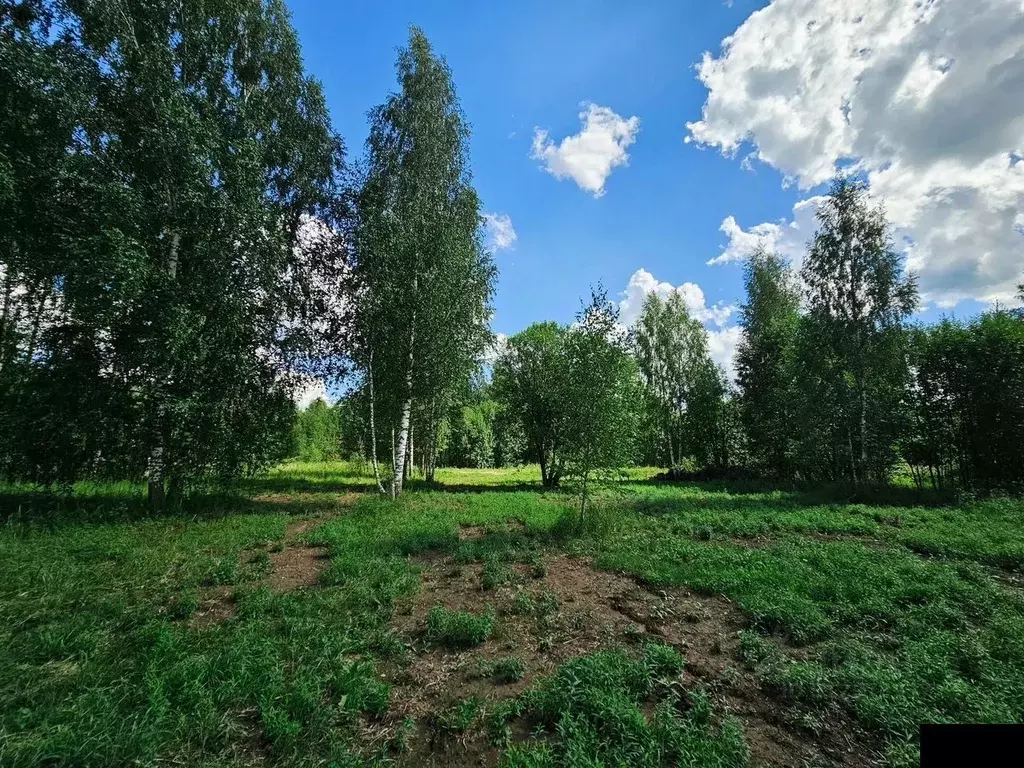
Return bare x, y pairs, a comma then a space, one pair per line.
304, 620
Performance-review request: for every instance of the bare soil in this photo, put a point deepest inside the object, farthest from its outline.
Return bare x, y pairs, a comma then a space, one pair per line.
586, 609
293, 566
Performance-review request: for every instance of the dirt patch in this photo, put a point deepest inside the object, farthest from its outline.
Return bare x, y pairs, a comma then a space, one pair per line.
216, 604
568, 609
296, 566
293, 565
471, 532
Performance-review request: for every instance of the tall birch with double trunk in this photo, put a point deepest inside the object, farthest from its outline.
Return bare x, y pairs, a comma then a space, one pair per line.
424, 279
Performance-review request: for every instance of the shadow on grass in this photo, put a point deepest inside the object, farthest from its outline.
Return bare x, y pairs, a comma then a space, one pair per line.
286, 484
524, 487
47, 510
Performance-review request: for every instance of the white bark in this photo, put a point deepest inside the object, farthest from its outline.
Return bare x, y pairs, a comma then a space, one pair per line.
373, 432
403, 440
403, 426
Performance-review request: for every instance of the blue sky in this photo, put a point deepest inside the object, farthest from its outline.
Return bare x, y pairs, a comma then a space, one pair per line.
521, 65
859, 83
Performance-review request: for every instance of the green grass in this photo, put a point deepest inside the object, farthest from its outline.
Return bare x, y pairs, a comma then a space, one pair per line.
510, 669
458, 629
591, 707
895, 603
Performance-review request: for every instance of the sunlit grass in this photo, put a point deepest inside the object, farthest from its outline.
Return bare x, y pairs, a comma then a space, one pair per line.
896, 606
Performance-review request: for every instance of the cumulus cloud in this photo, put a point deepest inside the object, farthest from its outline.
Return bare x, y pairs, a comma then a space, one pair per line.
499, 233
589, 156
722, 346
722, 339
643, 282
786, 237
923, 98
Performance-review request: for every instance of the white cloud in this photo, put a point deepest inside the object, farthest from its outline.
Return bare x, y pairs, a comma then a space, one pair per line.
499, 231
722, 346
922, 96
588, 157
787, 238
643, 282
308, 391
721, 341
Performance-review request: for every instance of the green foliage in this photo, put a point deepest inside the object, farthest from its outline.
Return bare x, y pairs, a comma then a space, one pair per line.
495, 573
593, 705
510, 669
765, 362
852, 360
161, 268
662, 661
458, 629
318, 432
530, 384
685, 388
424, 281
471, 437
600, 396
968, 404
457, 718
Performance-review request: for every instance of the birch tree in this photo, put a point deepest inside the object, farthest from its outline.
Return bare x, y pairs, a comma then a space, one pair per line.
424, 279
675, 364
852, 357
188, 148
770, 319
600, 405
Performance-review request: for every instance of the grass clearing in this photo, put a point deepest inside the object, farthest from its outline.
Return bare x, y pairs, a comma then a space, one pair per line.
132, 639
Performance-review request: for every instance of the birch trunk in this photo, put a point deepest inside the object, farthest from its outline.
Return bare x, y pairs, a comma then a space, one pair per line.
406, 414
410, 460
373, 432
403, 438
156, 467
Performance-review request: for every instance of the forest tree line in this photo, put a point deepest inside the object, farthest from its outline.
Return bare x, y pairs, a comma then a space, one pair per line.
834, 380
185, 244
